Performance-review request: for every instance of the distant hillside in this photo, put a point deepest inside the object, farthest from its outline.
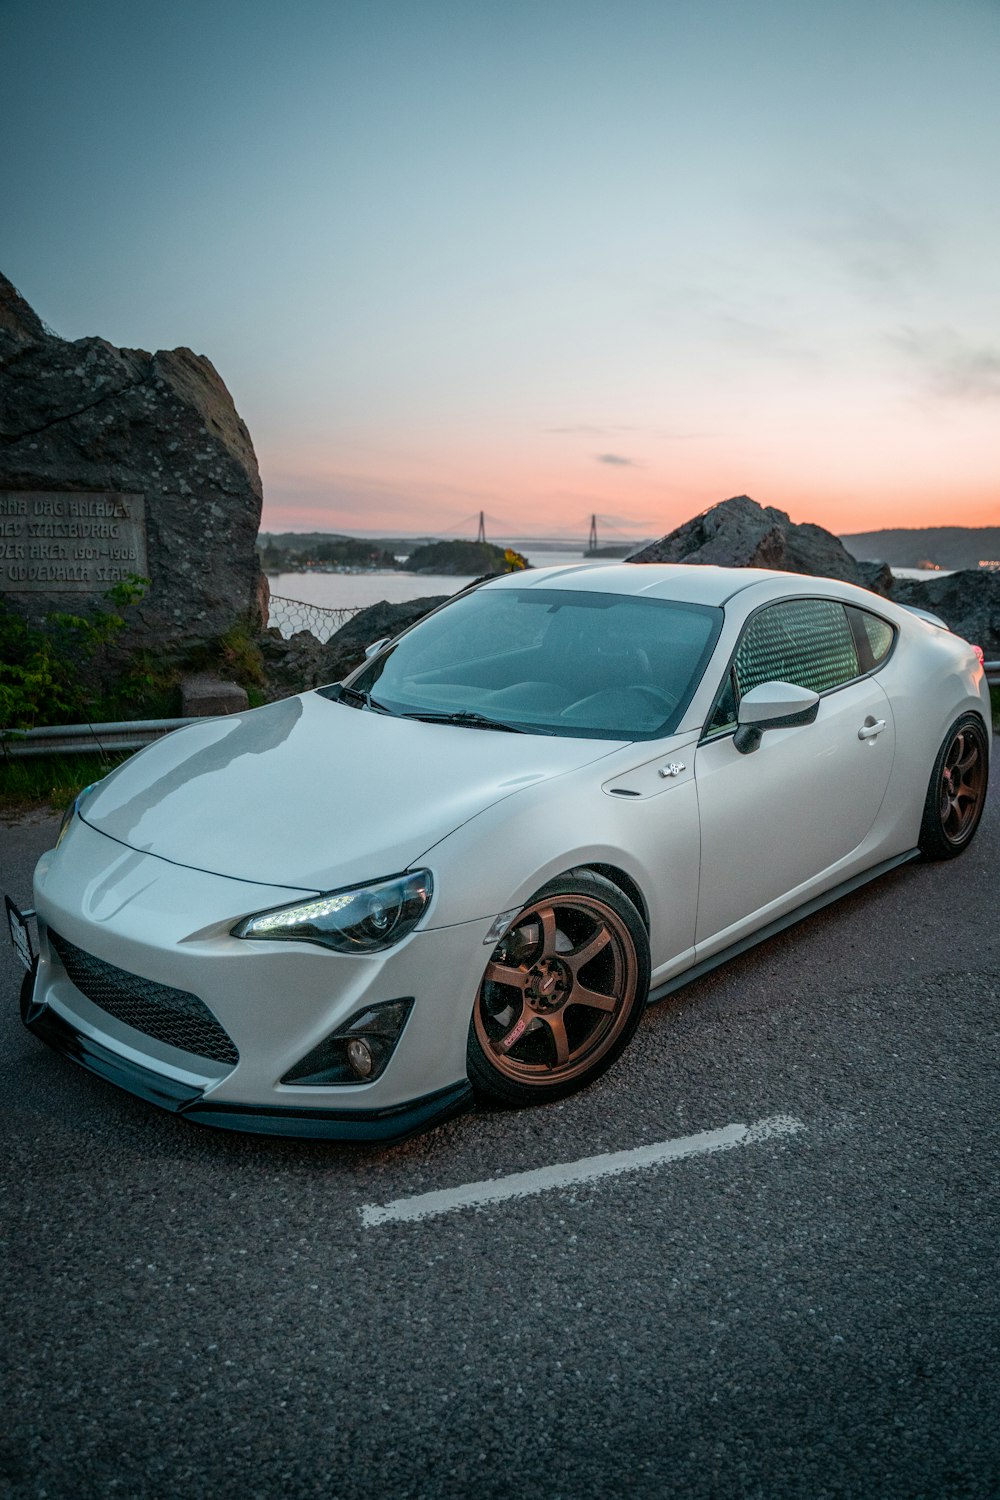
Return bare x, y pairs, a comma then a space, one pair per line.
337, 554
908, 547
306, 541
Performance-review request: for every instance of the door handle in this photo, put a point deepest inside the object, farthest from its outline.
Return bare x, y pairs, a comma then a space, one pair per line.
870, 728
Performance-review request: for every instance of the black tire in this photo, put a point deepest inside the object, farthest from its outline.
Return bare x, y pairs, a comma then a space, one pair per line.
956, 794
566, 1029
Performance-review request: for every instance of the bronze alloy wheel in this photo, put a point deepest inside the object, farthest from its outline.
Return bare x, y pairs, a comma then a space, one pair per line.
562, 992
957, 791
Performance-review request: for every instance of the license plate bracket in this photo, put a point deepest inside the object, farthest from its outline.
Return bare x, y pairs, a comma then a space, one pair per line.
20, 933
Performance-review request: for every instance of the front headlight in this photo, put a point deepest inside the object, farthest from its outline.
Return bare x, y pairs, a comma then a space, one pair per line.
361, 920
73, 809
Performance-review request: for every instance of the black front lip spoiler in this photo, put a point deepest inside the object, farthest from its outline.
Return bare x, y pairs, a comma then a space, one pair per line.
378, 1126
375, 1126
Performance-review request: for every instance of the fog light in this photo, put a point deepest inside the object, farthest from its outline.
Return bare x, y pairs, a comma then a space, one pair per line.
359, 1050
359, 1055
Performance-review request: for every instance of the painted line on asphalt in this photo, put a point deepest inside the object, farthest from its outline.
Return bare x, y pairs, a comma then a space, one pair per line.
571, 1174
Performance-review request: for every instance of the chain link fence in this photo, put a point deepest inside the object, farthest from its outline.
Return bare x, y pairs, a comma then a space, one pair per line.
291, 615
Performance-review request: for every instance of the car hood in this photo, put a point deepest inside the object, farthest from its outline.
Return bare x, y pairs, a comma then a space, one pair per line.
312, 794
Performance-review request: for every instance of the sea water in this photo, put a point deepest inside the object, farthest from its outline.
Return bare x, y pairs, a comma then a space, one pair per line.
358, 590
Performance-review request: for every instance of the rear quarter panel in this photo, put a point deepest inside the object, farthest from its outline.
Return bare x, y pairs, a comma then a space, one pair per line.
931, 679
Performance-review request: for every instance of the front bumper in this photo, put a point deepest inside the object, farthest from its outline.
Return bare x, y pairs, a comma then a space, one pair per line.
389, 1125
171, 926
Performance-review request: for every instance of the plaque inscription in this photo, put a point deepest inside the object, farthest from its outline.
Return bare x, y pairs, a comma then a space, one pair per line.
66, 541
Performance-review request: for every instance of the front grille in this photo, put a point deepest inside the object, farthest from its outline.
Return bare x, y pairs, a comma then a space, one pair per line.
171, 1016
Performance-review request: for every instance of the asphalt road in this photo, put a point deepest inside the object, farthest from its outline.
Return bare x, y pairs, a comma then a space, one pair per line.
815, 1314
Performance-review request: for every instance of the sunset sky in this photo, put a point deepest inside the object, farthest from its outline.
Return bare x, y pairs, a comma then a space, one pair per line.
541, 257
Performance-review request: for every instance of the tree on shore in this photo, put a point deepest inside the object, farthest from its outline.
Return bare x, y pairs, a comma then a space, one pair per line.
461, 558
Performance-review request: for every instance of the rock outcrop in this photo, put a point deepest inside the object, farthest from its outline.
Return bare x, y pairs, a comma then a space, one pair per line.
739, 533
205, 696
292, 664
302, 662
84, 418
968, 602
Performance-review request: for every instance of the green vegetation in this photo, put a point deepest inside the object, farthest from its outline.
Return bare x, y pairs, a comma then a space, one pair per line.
72, 669
50, 781
339, 552
47, 674
459, 558
995, 701
146, 688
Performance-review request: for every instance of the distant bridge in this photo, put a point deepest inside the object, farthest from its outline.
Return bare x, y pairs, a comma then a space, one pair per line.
477, 523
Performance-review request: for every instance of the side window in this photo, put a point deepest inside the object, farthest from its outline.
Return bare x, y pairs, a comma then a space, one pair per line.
875, 634
805, 641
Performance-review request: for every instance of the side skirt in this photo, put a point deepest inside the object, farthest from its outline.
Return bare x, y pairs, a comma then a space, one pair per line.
780, 925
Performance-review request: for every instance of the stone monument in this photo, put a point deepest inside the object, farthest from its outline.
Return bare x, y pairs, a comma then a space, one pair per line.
116, 462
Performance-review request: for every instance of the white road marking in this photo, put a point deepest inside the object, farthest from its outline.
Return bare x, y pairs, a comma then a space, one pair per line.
569, 1174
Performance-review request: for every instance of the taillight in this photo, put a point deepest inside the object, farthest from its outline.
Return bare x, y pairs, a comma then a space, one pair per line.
979, 652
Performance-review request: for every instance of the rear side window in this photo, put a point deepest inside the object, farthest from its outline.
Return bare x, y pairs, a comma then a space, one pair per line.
878, 635
808, 642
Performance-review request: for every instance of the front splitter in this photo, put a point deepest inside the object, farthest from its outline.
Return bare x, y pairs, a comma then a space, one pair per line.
385, 1126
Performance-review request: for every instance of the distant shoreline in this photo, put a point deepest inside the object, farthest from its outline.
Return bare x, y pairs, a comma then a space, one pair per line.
950, 548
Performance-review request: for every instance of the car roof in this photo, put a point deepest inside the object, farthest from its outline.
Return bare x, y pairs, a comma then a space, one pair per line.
688, 583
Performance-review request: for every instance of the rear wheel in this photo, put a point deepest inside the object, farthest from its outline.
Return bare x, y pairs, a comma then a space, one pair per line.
957, 791
562, 993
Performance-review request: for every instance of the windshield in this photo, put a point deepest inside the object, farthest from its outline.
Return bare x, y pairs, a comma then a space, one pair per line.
548, 661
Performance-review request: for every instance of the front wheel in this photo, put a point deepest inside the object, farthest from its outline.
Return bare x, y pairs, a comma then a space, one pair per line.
957, 791
562, 993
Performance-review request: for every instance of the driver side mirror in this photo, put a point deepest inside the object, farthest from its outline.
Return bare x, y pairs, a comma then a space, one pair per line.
376, 647
772, 705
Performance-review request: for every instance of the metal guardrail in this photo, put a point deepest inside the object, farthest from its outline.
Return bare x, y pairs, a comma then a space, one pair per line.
291, 615
92, 739
992, 670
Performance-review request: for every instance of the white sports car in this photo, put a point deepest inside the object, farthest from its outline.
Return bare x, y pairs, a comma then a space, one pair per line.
461, 873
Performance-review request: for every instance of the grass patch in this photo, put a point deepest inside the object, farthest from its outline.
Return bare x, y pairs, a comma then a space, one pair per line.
49, 782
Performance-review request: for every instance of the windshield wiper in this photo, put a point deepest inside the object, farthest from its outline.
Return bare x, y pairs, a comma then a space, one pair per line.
364, 700
466, 716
